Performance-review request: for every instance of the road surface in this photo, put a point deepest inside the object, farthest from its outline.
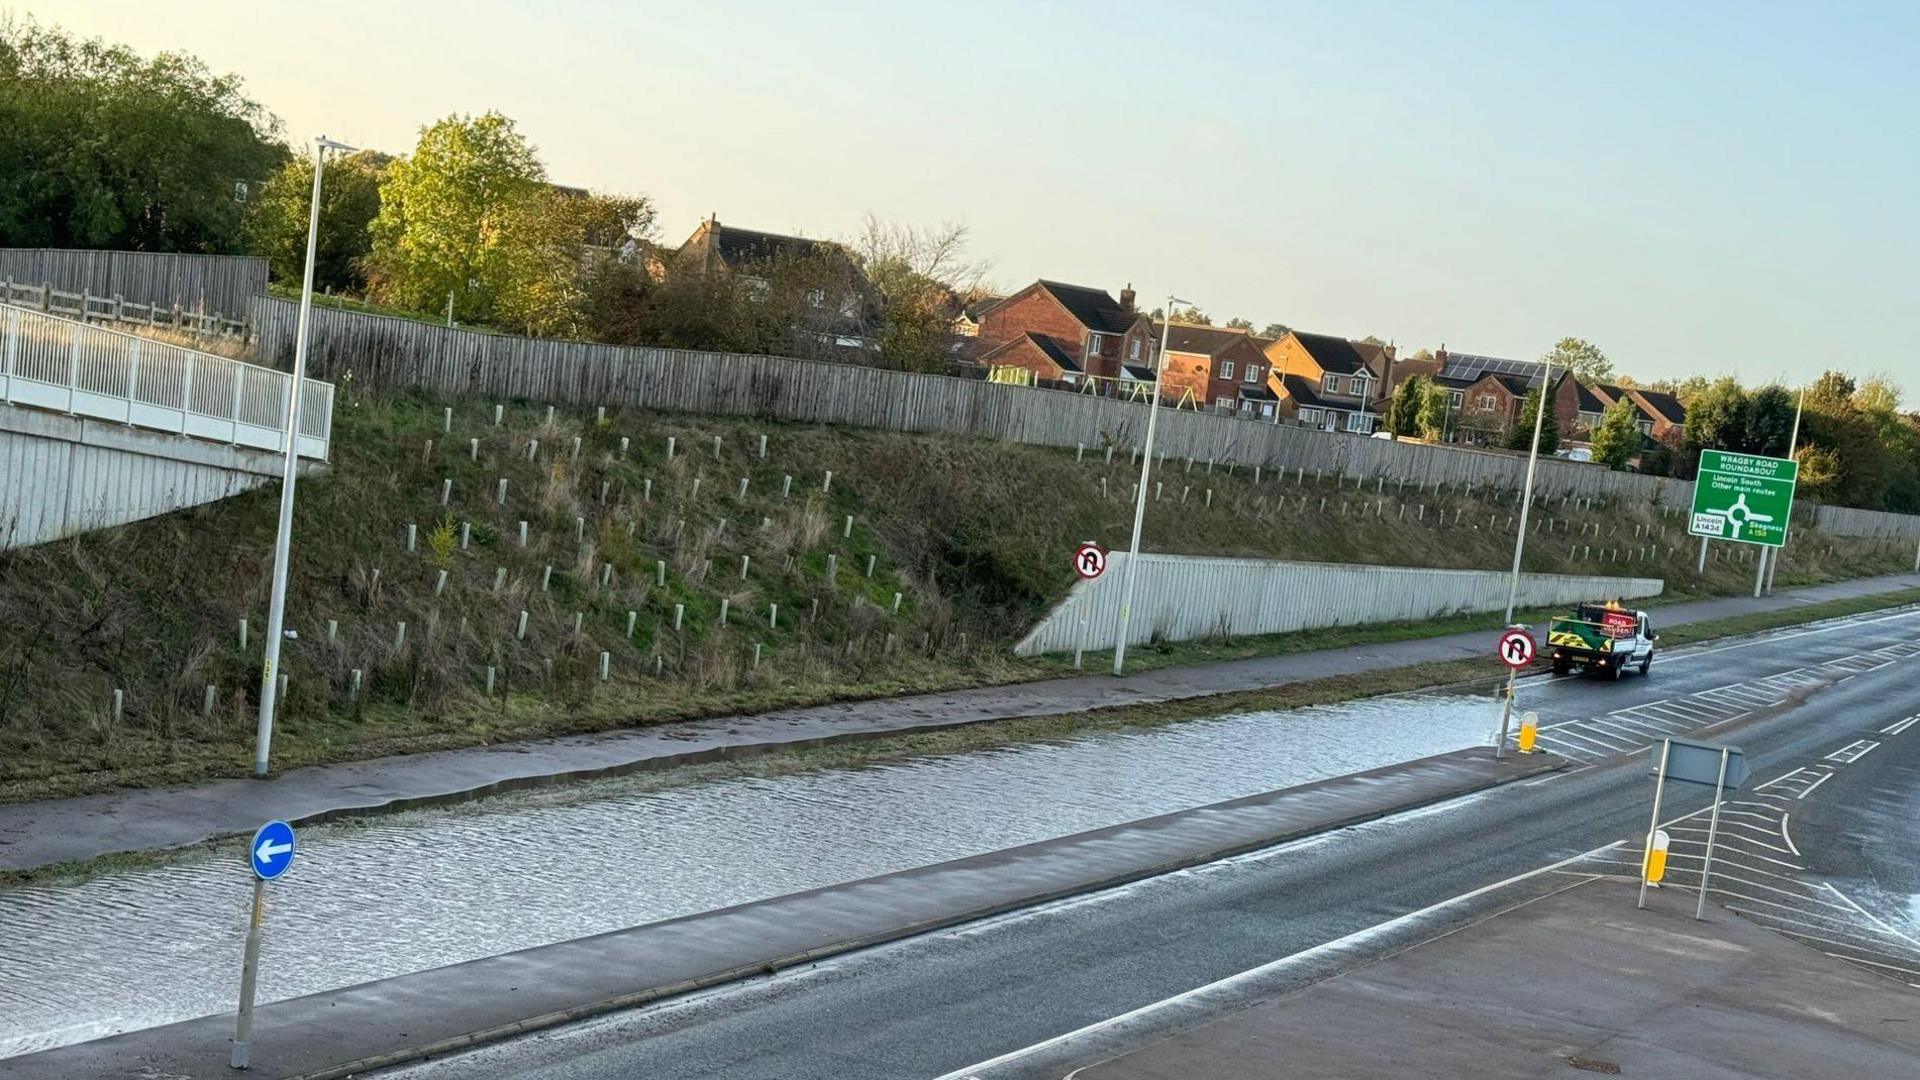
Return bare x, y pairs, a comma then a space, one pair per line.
979, 1000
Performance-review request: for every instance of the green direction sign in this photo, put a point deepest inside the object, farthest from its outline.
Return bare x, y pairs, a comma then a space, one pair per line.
1743, 497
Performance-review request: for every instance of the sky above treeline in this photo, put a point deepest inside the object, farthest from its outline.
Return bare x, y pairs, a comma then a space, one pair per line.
1698, 188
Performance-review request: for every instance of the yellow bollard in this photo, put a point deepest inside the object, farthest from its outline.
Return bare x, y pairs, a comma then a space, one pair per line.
1529, 731
1655, 866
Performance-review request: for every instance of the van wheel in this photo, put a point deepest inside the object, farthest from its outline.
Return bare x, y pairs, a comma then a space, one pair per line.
1561, 667
1617, 670
1647, 663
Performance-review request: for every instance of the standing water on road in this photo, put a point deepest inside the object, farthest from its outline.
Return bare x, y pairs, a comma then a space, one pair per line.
386, 896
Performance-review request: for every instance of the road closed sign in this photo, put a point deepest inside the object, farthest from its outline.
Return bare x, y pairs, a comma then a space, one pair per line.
1743, 497
1089, 560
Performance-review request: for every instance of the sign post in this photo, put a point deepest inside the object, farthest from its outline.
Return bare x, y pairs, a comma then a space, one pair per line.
1745, 498
269, 855
1721, 767
1516, 651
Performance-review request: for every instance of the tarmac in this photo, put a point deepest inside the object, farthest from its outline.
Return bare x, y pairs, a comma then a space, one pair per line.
1578, 981
354, 1030
77, 829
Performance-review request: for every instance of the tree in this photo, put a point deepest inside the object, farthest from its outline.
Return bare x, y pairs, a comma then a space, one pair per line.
1409, 398
1436, 408
1617, 436
922, 274
1768, 423
446, 216
1274, 331
1717, 416
1192, 315
100, 148
1583, 358
551, 241
277, 218
1520, 436
1240, 324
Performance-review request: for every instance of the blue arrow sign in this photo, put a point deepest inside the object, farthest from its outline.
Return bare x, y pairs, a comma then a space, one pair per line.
271, 852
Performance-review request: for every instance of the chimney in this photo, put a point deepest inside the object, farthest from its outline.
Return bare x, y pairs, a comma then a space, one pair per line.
1126, 298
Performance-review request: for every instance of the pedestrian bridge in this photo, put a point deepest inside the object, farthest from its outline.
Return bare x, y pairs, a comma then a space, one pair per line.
99, 428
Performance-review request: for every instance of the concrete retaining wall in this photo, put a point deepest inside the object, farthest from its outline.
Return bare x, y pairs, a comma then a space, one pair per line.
1184, 597
61, 475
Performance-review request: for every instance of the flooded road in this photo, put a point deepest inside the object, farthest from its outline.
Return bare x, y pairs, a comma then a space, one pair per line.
372, 899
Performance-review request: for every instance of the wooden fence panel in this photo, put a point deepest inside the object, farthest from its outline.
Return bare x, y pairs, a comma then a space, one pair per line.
225, 284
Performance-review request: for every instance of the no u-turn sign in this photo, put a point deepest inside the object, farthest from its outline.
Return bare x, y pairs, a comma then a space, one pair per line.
1089, 560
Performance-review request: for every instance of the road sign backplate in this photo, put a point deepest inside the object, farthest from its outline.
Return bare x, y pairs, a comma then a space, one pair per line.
1743, 497
1516, 648
1699, 763
271, 852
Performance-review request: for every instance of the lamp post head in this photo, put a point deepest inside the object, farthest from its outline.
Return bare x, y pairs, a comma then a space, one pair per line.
324, 143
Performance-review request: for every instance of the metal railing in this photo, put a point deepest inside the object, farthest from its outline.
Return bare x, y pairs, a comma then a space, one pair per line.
49, 362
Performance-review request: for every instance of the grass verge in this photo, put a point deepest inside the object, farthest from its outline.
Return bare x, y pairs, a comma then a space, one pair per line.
987, 736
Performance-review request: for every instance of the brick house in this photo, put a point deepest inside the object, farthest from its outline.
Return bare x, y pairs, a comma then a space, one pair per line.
1039, 354
1087, 325
841, 309
1224, 370
1328, 382
1660, 416
1484, 393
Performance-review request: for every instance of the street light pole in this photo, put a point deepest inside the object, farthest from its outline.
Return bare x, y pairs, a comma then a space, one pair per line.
277, 605
1793, 444
1140, 496
1526, 496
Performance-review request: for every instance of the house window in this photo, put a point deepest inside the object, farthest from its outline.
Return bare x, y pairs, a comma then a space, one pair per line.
757, 289
1360, 422
1253, 374
1359, 385
1133, 349
1588, 419
1224, 404
1485, 402
1330, 384
1456, 398
817, 297
1093, 344
1226, 369
1266, 410
1646, 427
849, 306
1310, 416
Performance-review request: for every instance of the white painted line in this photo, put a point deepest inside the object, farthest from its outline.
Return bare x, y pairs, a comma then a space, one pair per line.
1873, 963
1270, 967
1899, 726
1870, 915
1798, 932
1849, 928
1735, 838
1611, 727
1784, 835
1813, 785
1876, 945
1781, 779
1642, 726
1853, 752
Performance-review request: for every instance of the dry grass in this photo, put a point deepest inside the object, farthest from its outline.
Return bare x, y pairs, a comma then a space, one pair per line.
973, 534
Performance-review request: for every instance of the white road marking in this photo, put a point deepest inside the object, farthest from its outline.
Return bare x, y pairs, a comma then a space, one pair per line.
1899, 726
1853, 752
1251, 974
1813, 785
1785, 836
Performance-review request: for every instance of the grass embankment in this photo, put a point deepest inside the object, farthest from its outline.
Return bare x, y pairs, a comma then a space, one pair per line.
972, 535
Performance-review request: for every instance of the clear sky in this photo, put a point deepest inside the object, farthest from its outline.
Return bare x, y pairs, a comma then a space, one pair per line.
1695, 187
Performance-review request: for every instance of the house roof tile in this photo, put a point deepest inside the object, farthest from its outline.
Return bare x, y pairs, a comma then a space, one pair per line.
1335, 355
1095, 309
